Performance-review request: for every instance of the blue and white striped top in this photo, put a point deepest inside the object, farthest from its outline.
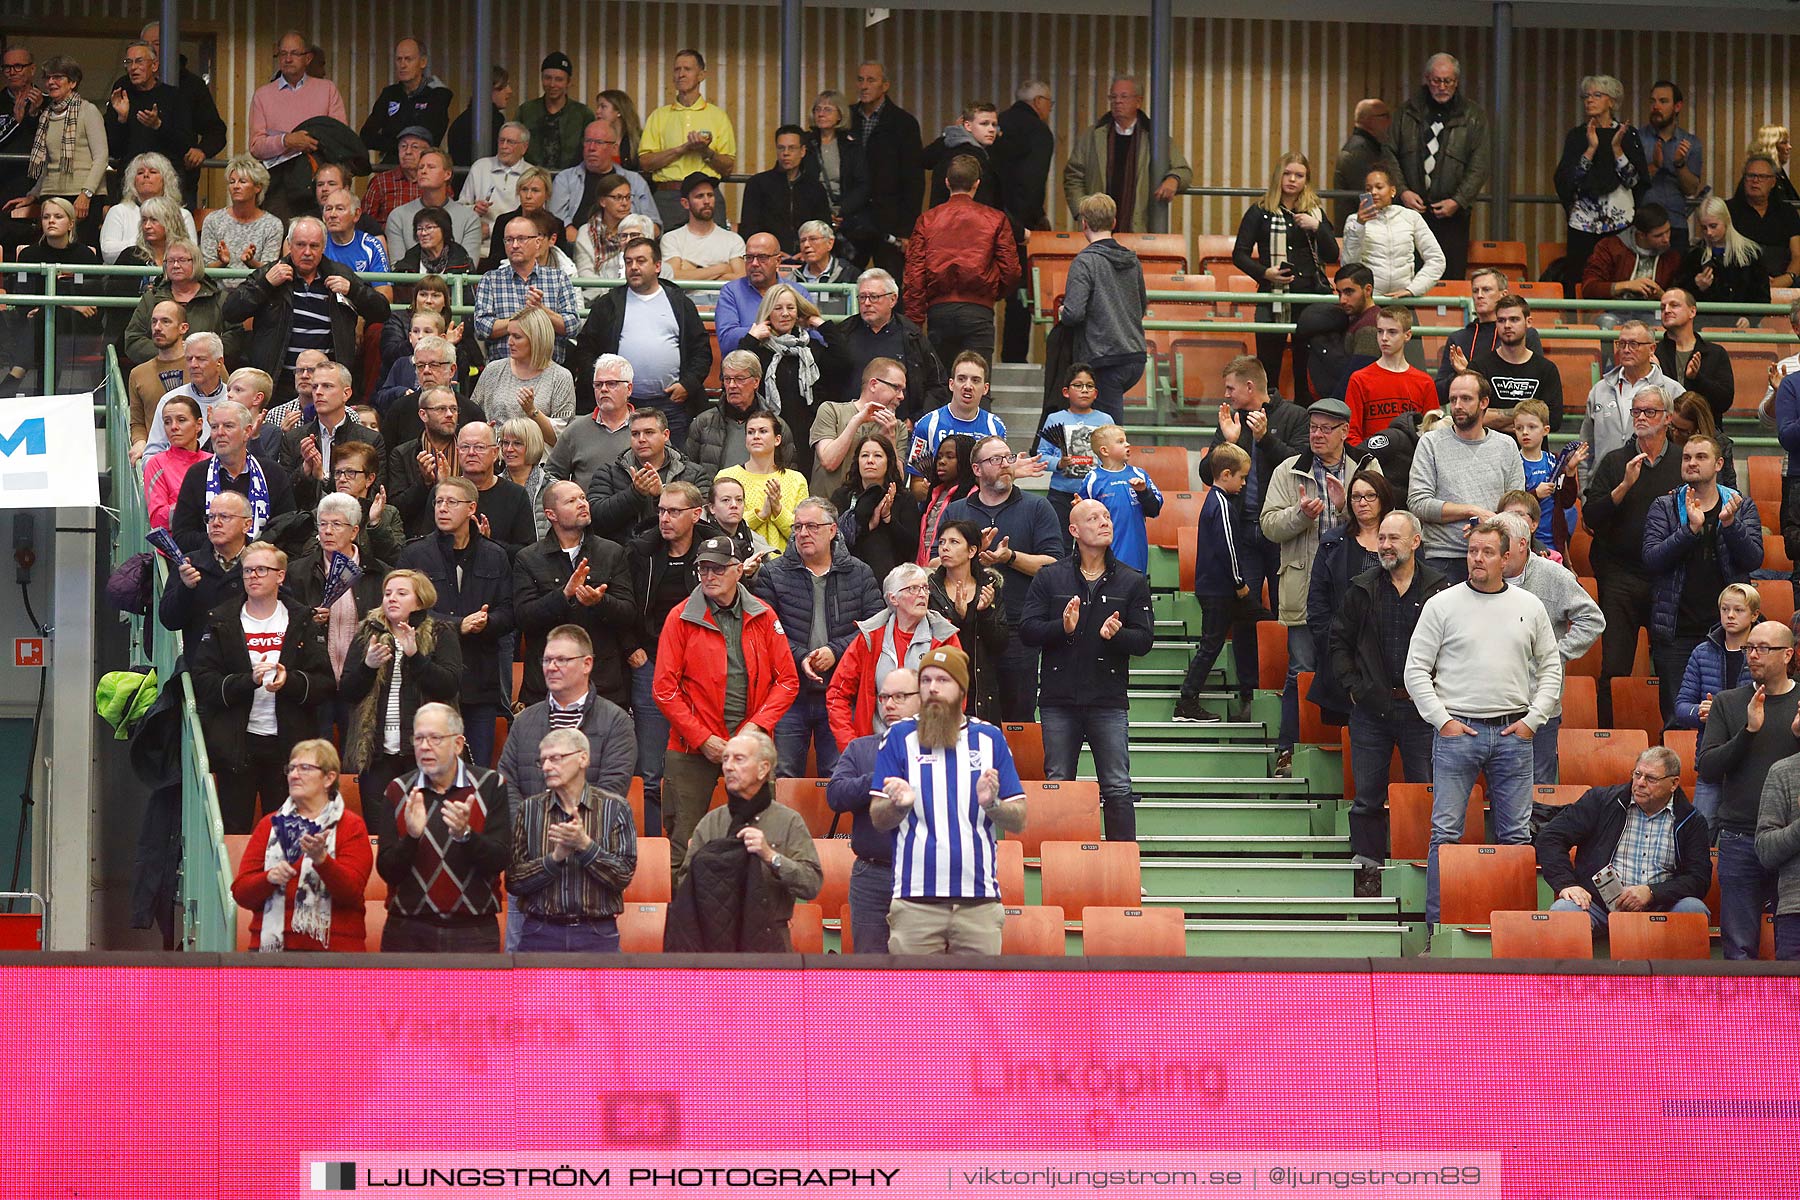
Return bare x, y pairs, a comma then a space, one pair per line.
945, 848
941, 423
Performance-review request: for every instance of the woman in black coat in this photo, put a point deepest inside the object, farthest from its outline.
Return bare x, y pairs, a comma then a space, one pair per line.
969, 595
877, 513
1602, 173
402, 632
834, 157
1285, 242
1344, 553
807, 372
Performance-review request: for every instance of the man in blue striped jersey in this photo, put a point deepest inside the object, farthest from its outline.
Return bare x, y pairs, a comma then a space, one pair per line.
948, 786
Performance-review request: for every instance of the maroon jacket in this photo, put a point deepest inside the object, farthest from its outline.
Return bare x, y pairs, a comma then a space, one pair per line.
1611, 262
959, 252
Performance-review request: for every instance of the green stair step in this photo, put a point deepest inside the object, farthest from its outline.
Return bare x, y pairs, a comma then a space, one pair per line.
1153, 786
1378, 907
1197, 761
1197, 733
1157, 819
1163, 877
1292, 939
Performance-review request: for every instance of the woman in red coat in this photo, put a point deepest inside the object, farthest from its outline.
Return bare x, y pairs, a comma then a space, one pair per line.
305, 867
900, 635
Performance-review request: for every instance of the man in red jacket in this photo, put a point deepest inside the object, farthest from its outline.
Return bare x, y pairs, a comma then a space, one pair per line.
961, 259
722, 666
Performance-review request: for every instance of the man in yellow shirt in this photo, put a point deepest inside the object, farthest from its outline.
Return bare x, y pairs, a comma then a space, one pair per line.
692, 134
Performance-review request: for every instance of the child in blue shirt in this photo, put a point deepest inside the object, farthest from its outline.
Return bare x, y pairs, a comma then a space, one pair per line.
1531, 421
1064, 444
1127, 493
1221, 585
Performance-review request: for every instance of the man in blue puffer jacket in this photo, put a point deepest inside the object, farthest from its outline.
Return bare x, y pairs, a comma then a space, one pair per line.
1697, 539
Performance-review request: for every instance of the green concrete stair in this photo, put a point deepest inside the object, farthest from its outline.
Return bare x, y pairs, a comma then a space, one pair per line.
1159, 821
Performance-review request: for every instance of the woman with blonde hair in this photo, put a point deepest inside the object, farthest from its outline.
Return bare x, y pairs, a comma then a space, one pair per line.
804, 361
534, 188
1285, 242
528, 382
306, 865
242, 235
1722, 266
401, 657
147, 175
522, 458
1602, 172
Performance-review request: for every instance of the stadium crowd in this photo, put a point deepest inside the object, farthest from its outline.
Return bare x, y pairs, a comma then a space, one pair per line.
829, 569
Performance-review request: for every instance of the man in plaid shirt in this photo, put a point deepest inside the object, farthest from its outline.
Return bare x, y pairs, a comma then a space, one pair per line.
446, 835
506, 291
390, 189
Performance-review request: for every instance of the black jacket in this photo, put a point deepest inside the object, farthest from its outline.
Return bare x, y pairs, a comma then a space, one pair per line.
187, 520
307, 491
1022, 159
507, 507
1602, 175
1394, 447
937, 157
487, 580
853, 181
893, 152
883, 547
186, 610
224, 689
983, 633
926, 388
1081, 669
434, 678
394, 110
1283, 437
775, 204
408, 490
540, 572
649, 563
272, 308
852, 593
600, 335
1358, 671
1592, 826
1714, 379
619, 510
172, 139
1308, 256
305, 584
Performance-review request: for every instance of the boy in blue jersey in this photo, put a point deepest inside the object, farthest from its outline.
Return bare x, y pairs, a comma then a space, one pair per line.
1221, 585
1065, 443
1127, 492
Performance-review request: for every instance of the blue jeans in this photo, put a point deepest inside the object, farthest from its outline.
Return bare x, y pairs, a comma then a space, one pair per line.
1746, 889
1543, 752
1598, 913
1456, 570
478, 728
1108, 732
1300, 658
1113, 380
652, 743
871, 891
1018, 679
1372, 743
1455, 762
1787, 937
599, 936
805, 722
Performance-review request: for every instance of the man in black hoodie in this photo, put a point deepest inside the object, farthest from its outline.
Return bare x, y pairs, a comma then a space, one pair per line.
1022, 158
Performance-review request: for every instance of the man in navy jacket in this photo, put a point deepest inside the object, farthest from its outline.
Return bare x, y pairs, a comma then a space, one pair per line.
852, 779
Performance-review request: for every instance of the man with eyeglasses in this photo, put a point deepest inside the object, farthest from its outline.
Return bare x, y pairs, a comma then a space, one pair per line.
1749, 731
306, 448
1647, 831
446, 836
232, 468
589, 442
818, 263
473, 578
278, 109
1608, 424
517, 284
204, 355
492, 185
146, 115
723, 667
1115, 157
852, 782
210, 576
735, 311
415, 467
1615, 508
877, 329
1019, 537
623, 493
279, 418
655, 326
435, 363
21, 104
786, 196
575, 192
839, 426
1443, 142
574, 853
1768, 220
820, 596
702, 249
662, 578
572, 578
260, 673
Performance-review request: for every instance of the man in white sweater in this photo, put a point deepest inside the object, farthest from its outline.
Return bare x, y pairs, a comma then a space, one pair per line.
1484, 672
1459, 473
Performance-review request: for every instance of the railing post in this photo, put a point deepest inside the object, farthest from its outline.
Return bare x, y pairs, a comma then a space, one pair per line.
48, 383
1162, 100
793, 104
170, 65
481, 105
1500, 180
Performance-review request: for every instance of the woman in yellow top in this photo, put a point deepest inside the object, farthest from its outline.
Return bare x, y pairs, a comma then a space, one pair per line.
770, 493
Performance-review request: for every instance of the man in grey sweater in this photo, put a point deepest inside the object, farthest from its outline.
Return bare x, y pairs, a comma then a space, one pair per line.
1483, 671
1574, 617
1459, 472
1778, 848
1104, 302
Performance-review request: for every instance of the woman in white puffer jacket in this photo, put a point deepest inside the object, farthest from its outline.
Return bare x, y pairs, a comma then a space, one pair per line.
1390, 239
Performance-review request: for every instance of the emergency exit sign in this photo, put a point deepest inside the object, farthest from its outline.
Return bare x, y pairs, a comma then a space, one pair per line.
28, 652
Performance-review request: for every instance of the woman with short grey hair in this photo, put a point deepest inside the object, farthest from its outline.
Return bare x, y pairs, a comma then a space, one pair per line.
1602, 173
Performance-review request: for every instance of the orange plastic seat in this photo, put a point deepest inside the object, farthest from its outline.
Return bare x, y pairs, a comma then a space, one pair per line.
1033, 929
651, 882
1476, 881
1059, 811
1026, 741
1077, 875
1133, 931
1525, 934
1598, 757
1658, 935
641, 928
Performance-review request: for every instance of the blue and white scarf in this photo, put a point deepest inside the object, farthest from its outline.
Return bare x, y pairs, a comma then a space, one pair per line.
259, 491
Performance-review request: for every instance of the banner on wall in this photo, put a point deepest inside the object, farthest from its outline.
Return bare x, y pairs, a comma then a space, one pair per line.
47, 454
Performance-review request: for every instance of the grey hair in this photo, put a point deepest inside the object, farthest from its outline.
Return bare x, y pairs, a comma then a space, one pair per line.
519, 129
295, 224
208, 339
432, 343
567, 738
1660, 392
226, 406
818, 229
1411, 518
903, 576
452, 718
877, 275
822, 504
1031, 89
1666, 760
165, 168
1444, 56
1604, 83
765, 746
742, 360
621, 364
345, 377
638, 224
1517, 527
337, 504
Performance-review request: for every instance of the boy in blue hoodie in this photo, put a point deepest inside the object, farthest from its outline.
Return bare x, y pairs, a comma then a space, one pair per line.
1220, 585
1127, 492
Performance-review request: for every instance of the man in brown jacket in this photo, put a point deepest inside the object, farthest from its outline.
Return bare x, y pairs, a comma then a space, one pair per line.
961, 259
